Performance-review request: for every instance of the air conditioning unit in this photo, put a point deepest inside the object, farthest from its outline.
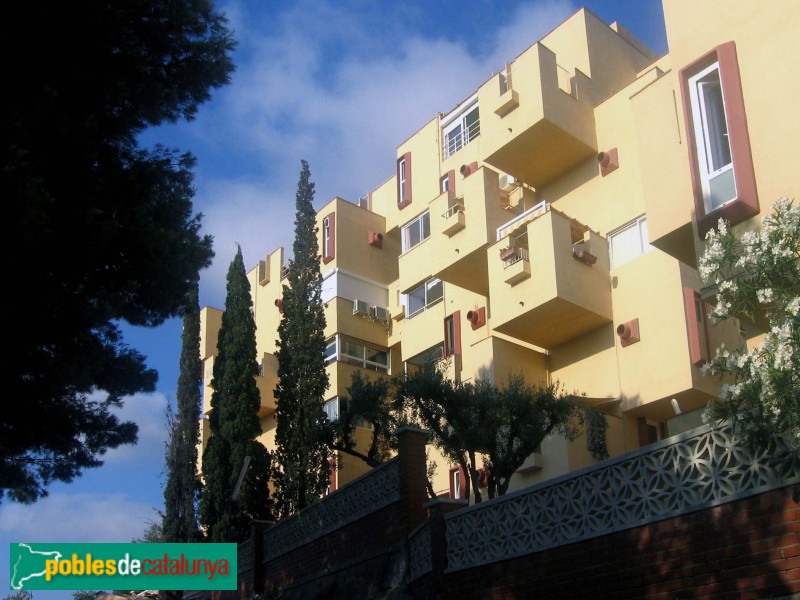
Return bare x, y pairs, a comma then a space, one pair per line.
507, 182
379, 313
360, 307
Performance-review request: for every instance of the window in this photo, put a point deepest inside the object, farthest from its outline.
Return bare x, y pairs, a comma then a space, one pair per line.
423, 296
356, 353
404, 180
331, 350
424, 359
649, 431
628, 242
595, 438
417, 230
401, 174
719, 147
328, 238
331, 408
446, 183
458, 484
335, 406
697, 325
449, 335
461, 128
711, 138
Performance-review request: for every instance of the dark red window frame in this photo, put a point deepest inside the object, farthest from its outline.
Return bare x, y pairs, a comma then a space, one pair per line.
746, 203
406, 195
329, 250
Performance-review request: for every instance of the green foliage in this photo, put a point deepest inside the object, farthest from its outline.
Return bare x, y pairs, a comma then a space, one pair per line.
25, 595
234, 421
153, 533
302, 456
369, 401
506, 423
756, 277
182, 489
106, 227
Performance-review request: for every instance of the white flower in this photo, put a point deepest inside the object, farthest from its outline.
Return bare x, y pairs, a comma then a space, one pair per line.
764, 295
793, 308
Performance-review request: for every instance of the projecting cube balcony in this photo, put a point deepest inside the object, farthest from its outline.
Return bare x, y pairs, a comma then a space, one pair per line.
508, 101
665, 171
462, 223
533, 463
543, 293
454, 220
543, 125
516, 265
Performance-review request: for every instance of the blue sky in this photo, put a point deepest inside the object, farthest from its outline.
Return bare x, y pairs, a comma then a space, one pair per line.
340, 84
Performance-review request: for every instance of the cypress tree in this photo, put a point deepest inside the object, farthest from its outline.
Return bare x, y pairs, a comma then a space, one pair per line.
302, 456
234, 421
181, 491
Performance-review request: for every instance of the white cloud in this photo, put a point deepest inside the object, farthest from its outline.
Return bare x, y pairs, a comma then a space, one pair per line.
148, 411
82, 517
342, 88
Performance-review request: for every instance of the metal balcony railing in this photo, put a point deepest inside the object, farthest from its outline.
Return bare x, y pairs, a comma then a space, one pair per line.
517, 255
453, 142
453, 210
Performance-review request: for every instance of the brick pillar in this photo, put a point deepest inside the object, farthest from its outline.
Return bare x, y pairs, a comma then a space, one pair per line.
413, 493
257, 529
437, 509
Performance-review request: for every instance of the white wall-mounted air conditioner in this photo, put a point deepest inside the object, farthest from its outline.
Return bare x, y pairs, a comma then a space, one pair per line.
360, 307
379, 313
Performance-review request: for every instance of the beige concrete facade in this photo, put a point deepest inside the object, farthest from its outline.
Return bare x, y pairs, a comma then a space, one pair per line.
550, 225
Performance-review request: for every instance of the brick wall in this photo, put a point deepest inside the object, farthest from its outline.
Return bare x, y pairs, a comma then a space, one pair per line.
366, 536
377, 533
744, 549
728, 526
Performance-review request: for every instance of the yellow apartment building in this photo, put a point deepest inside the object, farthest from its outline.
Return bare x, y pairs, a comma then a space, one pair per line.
550, 225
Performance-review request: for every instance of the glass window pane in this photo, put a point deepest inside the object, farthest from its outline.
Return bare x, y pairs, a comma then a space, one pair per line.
716, 127
351, 348
625, 245
414, 234
416, 299
472, 125
452, 140
331, 408
435, 290
330, 351
449, 336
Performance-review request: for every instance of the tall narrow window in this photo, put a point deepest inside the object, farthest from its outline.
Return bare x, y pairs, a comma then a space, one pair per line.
458, 483
329, 238
722, 173
401, 175
711, 138
698, 327
452, 340
404, 180
449, 336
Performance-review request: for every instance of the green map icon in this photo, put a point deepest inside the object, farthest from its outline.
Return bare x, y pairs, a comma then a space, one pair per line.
27, 564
